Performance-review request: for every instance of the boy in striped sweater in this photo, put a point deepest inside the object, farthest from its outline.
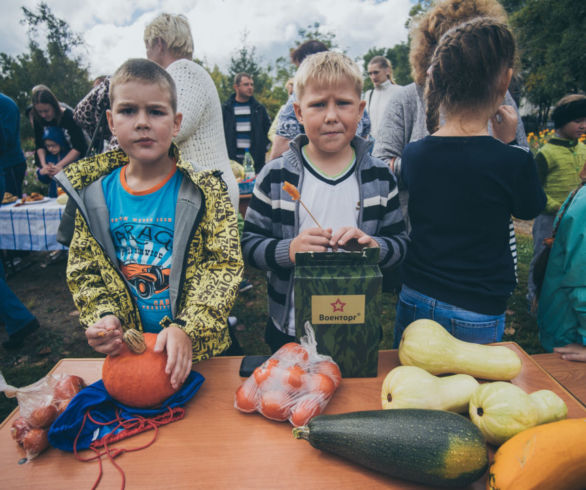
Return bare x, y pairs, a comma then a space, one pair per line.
351, 195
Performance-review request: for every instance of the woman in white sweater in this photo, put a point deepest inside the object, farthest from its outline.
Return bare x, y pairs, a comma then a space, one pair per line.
201, 137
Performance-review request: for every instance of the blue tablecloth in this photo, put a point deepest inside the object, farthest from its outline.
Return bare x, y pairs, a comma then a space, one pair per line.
31, 226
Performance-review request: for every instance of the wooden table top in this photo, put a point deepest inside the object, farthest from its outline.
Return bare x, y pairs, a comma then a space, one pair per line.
571, 375
216, 446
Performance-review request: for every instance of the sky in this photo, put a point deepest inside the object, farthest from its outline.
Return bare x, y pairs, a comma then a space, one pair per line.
113, 29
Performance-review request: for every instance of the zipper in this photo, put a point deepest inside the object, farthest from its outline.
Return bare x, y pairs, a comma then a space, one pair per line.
108, 259
191, 234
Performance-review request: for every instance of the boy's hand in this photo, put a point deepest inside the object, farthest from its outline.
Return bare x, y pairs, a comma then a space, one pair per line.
504, 124
350, 238
44, 170
572, 352
179, 354
105, 335
310, 240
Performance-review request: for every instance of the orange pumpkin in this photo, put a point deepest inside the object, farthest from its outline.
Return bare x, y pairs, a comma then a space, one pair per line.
138, 380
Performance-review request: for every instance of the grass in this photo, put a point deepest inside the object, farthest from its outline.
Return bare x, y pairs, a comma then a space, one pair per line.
251, 310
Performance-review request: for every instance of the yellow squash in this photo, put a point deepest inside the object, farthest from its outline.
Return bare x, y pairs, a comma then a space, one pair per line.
500, 410
413, 387
545, 457
428, 345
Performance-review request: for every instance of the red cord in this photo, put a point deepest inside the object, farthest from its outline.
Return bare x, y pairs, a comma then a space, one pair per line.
129, 427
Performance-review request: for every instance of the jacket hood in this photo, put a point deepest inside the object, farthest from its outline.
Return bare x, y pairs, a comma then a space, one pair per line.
84, 172
55, 134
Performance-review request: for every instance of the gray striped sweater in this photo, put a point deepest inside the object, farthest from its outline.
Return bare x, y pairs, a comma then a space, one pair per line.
272, 220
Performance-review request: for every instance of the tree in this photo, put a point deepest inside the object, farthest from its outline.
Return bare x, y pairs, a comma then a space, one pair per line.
551, 39
53, 65
313, 32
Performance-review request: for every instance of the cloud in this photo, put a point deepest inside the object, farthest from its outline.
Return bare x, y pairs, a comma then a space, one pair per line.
112, 29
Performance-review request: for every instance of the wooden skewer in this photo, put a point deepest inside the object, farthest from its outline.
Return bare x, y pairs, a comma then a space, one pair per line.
309, 212
294, 193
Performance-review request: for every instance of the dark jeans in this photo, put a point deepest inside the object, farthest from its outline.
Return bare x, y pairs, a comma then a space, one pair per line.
274, 338
13, 179
12, 312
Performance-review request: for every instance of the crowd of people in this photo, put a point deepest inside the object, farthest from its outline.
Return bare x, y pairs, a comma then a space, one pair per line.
431, 174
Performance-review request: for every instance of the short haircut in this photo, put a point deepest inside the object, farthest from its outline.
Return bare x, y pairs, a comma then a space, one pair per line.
569, 108
327, 68
433, 24
304, 50
174, 30
383, 63
143, 71
238, 78
43, 95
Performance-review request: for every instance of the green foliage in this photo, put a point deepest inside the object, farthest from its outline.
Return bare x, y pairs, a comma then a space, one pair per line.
313, 33
398, 55
49, 61
551, 41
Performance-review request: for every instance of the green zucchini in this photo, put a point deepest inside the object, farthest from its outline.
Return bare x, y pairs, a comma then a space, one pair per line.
433, 447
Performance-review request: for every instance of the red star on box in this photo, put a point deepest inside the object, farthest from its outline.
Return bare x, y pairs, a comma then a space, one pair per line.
338, 305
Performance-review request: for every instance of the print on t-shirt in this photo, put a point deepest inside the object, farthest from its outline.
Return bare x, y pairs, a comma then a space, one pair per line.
141, 226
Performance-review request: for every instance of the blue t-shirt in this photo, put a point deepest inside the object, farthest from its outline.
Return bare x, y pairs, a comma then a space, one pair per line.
141, 226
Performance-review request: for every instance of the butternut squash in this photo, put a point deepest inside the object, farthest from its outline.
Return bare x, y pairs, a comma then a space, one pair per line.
428, 345
413, 387
545, 457
500, 410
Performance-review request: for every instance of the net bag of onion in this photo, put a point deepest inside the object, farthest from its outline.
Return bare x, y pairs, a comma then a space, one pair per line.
39, 405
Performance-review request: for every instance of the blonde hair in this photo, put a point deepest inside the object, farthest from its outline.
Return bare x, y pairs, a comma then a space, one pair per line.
327, 68
143, 71
174, 30
434, 23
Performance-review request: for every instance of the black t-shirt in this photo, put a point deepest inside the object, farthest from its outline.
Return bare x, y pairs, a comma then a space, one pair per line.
462, 193
71, 130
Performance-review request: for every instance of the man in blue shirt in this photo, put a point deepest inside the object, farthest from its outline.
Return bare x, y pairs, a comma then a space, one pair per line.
18, 321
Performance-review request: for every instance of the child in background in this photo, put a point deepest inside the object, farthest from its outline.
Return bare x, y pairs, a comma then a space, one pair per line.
463, 187
156, 243
57, 148
352, 194
561, 313
559, 163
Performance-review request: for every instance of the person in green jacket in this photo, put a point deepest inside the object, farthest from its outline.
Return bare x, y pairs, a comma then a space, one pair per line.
559, 163
561, 314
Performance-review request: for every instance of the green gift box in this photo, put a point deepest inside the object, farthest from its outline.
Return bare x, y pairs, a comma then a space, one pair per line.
339, 293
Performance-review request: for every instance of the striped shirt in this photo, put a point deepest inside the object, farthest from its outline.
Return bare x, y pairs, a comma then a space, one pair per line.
243, 127
272, 220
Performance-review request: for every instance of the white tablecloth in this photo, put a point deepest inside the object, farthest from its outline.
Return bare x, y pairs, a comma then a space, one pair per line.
31, 226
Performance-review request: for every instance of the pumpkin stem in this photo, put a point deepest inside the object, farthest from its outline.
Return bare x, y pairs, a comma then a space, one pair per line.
134, 340
479, 411
301, 432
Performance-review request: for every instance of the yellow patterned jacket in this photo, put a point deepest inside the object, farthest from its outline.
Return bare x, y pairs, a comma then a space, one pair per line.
206, 265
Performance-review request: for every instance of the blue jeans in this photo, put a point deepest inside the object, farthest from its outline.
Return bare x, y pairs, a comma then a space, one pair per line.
12, 312
462, 324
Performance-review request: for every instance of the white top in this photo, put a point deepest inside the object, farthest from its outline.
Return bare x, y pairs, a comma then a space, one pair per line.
201, 137
376, 104
333, 201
